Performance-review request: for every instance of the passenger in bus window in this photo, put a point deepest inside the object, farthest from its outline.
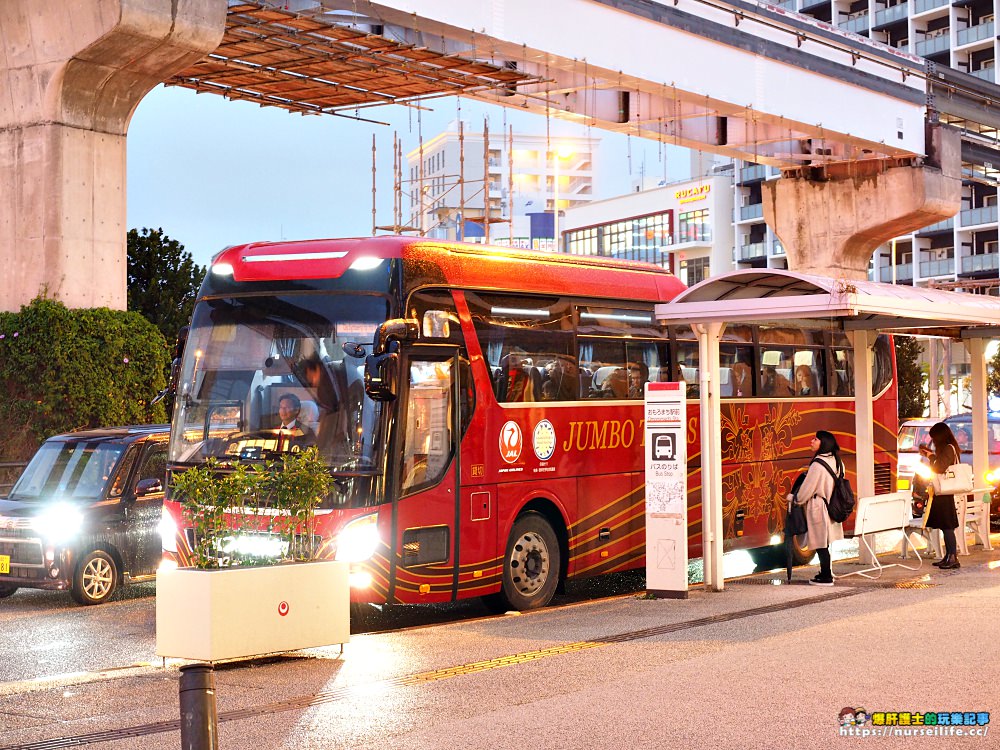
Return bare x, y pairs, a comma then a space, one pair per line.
615, 385
518, 382
805, 383
773, 383
638, 374
742, 377
564, 377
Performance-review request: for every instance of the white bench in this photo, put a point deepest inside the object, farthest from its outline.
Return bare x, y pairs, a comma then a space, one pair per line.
878, 513
973, 512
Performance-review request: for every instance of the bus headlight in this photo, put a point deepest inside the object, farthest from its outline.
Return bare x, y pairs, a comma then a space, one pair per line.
58, 523
358, 540
168, 531
993, 477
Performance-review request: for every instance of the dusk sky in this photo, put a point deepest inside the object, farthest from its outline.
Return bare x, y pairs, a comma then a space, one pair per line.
212, 172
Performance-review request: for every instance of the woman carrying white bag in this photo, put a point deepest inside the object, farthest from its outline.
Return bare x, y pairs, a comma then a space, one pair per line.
951, 478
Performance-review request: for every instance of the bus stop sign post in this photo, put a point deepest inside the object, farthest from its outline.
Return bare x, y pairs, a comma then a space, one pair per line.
666, 490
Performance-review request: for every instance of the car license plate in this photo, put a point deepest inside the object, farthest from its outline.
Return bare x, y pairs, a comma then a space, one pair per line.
4, 563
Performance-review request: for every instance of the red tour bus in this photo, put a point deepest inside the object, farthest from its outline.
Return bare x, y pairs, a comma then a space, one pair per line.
481, 408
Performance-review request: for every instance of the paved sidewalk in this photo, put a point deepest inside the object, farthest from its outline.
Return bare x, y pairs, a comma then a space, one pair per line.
761, 665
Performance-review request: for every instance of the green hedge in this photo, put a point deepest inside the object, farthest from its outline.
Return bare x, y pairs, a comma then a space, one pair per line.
63, 370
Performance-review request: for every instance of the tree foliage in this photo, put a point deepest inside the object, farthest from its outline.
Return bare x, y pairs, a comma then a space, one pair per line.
993, 375
163, 280
64, 370
910, 378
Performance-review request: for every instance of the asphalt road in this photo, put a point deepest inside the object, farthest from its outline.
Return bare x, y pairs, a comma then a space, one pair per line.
45, 635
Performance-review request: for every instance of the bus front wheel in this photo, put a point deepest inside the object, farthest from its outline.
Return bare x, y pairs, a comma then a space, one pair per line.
530, 566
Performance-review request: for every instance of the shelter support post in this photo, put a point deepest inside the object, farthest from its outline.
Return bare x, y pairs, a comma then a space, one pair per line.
976, 347
863, 342
69, 83
709, 335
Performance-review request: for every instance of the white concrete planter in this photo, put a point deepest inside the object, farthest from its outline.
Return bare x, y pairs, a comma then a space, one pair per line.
231, 613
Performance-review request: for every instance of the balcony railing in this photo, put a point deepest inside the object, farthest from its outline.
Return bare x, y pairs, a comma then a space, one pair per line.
752, 173
753, 251
942, 226
974, 34
987, 74
922, 6
980, 263
904, 272
857, 25
753, 211
927, 47
944, 267
889, 15
973, 216
779, 249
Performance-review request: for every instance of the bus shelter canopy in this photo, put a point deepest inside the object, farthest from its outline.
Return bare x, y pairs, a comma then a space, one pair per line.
772, 294
860, 308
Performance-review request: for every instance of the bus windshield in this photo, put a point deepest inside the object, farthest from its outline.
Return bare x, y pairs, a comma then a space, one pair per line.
249, 358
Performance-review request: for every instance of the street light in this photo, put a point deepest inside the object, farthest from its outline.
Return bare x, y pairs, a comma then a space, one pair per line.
563, 152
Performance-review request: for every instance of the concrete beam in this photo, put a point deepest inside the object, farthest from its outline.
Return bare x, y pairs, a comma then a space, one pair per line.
72, 73
831, 220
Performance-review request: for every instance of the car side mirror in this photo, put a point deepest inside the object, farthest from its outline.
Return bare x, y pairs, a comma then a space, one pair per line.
148, 487
381, 371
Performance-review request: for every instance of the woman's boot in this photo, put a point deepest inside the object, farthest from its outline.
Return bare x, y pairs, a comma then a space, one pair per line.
950, 562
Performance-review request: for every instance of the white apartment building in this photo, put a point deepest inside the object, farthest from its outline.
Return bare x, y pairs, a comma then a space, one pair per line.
497, 185
963, 250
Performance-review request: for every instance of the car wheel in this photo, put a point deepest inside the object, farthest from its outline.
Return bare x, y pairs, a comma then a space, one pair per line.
530, 566
95, 579
7, 589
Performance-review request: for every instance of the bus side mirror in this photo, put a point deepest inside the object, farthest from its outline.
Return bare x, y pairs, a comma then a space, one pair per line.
397, 329
175, 366
381, 371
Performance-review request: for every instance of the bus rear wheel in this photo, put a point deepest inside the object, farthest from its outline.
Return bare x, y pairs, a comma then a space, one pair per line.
801, 554
530, 566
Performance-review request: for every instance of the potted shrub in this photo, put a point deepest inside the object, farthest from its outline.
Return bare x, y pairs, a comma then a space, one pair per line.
254, 588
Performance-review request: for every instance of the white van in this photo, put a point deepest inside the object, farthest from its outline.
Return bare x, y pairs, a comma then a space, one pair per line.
912, 434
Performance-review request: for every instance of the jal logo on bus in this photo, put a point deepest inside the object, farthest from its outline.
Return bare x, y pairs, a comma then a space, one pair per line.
543, 440
510, 442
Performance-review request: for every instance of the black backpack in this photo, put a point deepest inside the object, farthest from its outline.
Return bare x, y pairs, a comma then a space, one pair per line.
841, 502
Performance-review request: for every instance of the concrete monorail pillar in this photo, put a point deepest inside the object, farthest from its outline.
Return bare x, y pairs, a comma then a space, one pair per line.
71, 74
831, 219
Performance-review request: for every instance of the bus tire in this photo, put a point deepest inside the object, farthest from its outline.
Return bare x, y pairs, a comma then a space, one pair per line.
801, 554
95, 579
531, 564
7, 589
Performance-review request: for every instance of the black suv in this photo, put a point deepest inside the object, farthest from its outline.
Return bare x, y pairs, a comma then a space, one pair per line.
85, 513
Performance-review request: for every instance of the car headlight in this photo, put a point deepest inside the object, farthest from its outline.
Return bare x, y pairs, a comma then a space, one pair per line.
168, 531
993, 477
58, 523
358, 540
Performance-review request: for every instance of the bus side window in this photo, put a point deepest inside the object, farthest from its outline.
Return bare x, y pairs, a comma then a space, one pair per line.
842, 373
736, 374
687, 366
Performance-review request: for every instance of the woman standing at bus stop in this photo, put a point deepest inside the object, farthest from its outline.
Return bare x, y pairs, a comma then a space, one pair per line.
815, 489
943, 514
